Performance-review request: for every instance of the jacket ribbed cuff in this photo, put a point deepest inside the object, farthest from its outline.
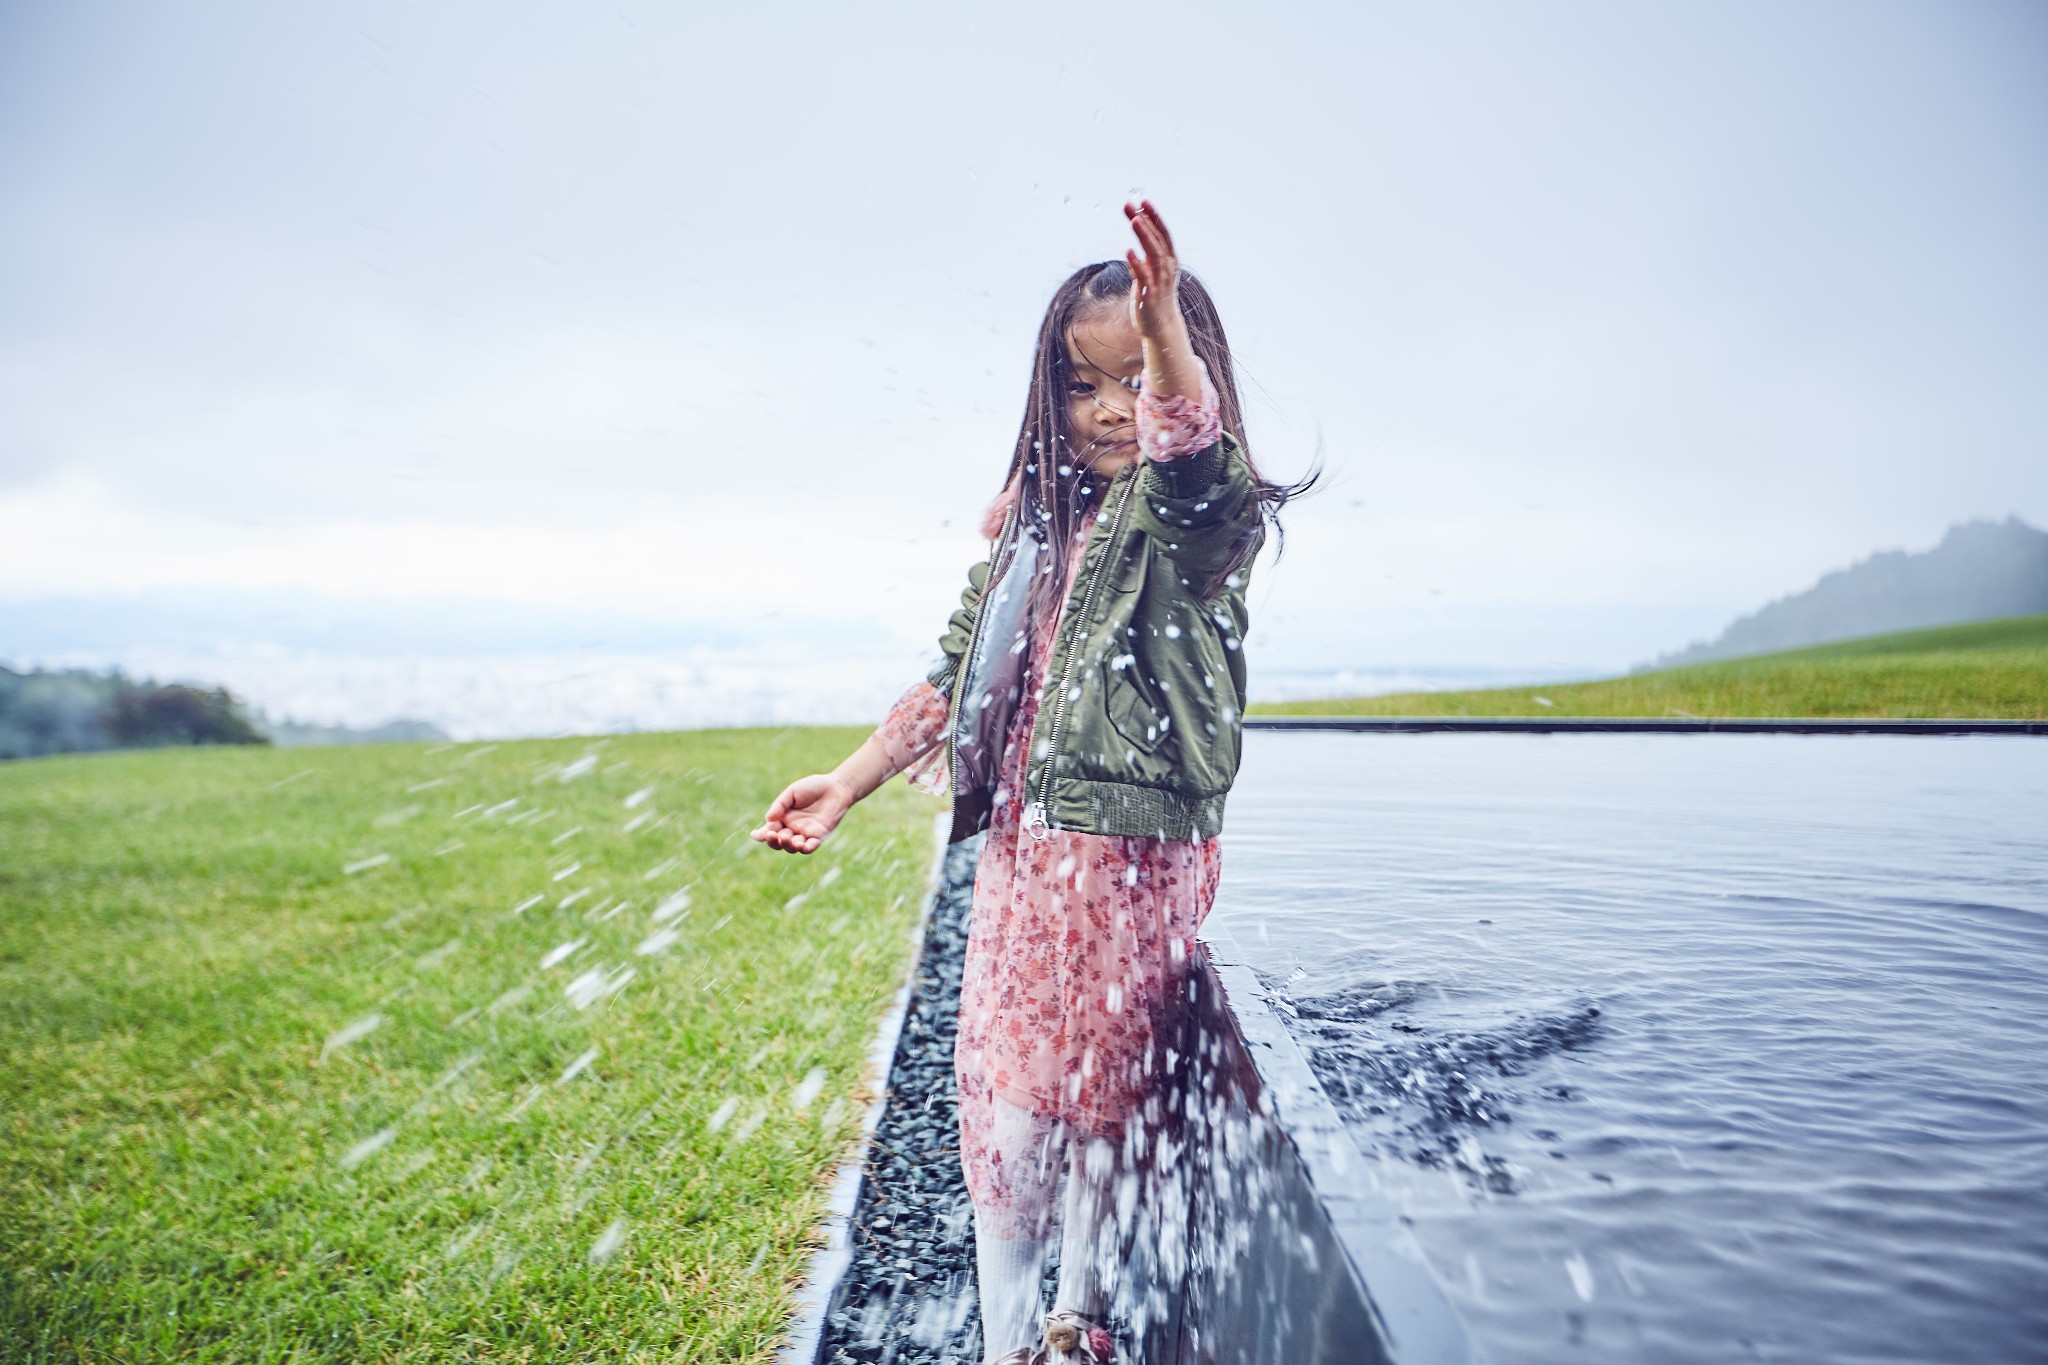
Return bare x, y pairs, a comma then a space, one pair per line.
1191, 475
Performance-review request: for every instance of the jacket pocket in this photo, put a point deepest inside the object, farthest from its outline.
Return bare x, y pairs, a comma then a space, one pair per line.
1142, 724
1176, 705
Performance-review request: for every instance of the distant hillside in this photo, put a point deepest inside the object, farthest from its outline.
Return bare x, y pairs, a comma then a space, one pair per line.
1980, 570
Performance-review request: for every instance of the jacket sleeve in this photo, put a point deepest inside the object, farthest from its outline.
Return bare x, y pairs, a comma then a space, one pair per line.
959, 630
1200, 509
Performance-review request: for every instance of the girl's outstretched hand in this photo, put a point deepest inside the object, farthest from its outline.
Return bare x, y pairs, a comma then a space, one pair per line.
1170, 365
1155, 292
808, 810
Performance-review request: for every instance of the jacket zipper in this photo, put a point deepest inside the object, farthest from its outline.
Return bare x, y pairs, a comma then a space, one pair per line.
1036, 819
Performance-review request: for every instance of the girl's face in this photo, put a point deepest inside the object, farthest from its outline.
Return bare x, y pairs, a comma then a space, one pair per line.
1104, 362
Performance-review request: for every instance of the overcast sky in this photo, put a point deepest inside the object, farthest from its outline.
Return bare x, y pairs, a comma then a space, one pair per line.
1610, 321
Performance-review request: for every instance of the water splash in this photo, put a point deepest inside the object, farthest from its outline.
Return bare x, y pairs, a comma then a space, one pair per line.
1422, 1082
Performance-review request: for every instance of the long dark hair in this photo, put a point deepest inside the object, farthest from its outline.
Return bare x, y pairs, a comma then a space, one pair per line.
1055, 489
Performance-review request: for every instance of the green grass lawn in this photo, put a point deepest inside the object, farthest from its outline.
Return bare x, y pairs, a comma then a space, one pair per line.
482, 1052
1984, 670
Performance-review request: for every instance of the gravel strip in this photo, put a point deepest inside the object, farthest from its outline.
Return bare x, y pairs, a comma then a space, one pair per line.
908, 1296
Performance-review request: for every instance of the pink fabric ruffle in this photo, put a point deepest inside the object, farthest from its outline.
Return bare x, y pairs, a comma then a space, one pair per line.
913, 735
1170, 426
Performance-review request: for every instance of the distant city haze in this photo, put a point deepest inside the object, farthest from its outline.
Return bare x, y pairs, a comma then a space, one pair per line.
524, 370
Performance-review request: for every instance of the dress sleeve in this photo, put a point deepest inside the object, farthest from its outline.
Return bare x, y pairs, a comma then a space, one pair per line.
913, 735
1170, 426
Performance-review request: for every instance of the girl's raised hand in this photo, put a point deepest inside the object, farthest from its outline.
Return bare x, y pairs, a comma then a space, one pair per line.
1155, 275
808, 810
1171, 368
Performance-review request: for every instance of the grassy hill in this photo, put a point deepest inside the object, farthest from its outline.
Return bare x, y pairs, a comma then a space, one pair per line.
506, 1052
1981, 670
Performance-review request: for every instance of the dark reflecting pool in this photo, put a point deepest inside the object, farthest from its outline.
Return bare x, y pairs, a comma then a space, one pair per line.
1678, 1048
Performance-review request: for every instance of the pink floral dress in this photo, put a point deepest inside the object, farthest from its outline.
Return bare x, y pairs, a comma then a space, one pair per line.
1076, 941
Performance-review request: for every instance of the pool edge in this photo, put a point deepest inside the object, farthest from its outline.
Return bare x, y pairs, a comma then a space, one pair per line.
1644, 725
1400, 1291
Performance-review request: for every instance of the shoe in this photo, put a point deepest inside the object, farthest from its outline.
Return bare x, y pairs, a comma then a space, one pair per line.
1071, 1338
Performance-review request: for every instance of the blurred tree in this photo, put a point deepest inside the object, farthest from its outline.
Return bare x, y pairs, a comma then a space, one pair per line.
146, 716
72, 711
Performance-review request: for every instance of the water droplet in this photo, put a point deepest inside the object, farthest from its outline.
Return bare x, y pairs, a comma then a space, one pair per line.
361, 1028
367, 1148
559, 953
1581, 1275
508, 999
608, 1242
658, 941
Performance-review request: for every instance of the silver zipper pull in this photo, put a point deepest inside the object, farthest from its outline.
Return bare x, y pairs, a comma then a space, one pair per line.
1035, 823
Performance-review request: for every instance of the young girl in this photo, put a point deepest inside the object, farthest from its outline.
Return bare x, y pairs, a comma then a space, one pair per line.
1086, 714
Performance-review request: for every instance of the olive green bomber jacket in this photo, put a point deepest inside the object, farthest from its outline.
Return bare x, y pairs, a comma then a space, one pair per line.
1139, 723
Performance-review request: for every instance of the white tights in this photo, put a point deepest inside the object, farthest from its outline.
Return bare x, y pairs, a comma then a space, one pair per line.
1047, 1170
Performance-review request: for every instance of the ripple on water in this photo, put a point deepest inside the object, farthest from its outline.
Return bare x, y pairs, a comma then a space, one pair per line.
1677, 1048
